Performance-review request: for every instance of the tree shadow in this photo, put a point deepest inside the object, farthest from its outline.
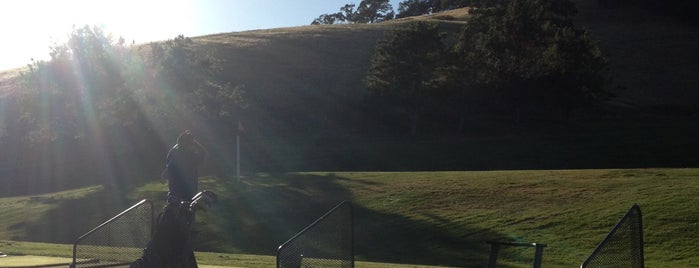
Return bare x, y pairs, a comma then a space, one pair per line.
261, 212
69, 218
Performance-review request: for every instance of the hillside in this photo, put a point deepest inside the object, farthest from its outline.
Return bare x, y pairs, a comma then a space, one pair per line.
651, 56
308, 114
307, 108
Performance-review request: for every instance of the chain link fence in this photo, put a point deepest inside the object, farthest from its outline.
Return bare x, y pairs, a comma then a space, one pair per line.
623, 246
327, 243
118, 241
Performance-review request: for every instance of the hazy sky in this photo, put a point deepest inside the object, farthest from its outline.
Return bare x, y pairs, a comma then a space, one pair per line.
29, 27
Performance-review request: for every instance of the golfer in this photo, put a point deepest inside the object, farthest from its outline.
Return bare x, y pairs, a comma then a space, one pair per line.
182, 168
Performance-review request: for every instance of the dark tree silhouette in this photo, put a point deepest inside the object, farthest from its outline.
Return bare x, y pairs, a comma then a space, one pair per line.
528, 55
405, 67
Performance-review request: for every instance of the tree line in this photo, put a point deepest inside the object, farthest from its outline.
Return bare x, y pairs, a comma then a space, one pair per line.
372, 11
519, 59
514, 58
95, 82
100, 107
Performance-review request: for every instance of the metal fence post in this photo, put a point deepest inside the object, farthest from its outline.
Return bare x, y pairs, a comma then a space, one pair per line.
493, 258
495, 247
538, 255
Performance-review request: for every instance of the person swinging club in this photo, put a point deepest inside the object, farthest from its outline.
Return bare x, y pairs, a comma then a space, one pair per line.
171, 245
182, 168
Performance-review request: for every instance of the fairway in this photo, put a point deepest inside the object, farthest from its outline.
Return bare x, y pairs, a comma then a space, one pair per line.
412, 218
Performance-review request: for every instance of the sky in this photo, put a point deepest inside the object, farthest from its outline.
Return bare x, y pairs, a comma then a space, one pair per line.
29, 27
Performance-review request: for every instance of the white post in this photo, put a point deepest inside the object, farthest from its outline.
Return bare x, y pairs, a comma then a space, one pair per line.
237, 157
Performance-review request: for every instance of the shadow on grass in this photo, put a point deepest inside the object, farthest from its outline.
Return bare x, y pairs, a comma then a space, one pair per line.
69, 217
261, 212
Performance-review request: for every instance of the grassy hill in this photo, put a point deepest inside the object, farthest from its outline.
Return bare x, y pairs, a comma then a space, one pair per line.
307, 113
434, 218
307, 108
311, 100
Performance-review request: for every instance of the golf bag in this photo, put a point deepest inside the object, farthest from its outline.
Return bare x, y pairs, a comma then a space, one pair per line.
171, 245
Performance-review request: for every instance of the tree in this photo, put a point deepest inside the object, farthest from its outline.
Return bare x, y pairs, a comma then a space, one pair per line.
193, 74
368, 11
409, 8
372, 11
346, 15
93, 82
529, 57
404, 69
327, 19
98, 101
83, 83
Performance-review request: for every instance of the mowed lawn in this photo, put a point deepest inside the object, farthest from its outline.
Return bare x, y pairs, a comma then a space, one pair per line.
444, 218
222, 259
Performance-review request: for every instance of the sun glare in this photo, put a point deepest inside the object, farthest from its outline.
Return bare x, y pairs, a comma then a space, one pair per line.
31, 27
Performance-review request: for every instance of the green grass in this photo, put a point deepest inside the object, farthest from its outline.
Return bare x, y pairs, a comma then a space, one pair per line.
21, 212
570, 210
430, 218
34, 253
36, 248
